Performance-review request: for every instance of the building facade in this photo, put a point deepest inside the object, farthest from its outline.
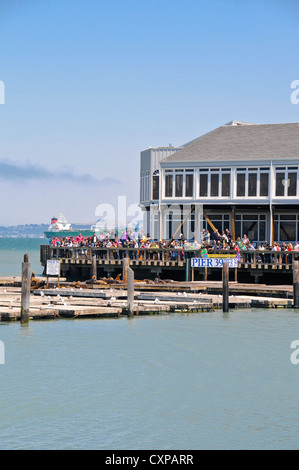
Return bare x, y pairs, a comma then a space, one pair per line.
240, 176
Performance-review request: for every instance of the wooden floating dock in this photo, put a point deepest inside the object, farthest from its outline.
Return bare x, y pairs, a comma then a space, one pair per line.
110, 301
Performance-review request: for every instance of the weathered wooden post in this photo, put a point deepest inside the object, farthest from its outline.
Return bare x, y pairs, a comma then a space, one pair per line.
187, 269
25, 293
126, 264
225, 277
130, 292
295, 284
94, 268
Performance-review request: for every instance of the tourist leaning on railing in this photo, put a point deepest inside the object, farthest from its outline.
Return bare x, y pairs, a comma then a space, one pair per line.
179, 250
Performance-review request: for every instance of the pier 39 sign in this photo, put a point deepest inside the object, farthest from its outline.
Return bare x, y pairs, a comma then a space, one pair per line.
213, 262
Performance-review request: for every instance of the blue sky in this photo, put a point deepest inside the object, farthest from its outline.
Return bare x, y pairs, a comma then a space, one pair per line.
89, 84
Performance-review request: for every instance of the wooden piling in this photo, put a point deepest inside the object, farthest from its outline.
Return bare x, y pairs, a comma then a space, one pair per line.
130, 291
25, 292
187, 269
94, 268
296, 284
225, 277
126, 264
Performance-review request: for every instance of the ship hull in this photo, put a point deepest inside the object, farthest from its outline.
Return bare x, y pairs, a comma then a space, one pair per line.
69, 233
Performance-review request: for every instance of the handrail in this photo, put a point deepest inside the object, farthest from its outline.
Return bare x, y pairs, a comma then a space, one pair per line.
251, 258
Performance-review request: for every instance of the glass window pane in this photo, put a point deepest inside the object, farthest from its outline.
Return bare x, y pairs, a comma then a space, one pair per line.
178, 185
241, 184
264, 184
226, 185
275, 225
168, 186
287, 231
238, 229
155, 187
215, 185
280, 180
287, 217
252, 184
203, 188
189, 185
292, 184
251, 230
262, 231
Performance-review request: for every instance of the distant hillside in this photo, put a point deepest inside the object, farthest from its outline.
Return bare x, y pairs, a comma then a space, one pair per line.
23, 231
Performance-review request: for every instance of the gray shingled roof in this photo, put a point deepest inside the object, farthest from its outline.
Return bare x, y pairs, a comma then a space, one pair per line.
238, 141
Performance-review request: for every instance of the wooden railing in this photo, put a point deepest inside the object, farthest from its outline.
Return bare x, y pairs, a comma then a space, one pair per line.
247, 259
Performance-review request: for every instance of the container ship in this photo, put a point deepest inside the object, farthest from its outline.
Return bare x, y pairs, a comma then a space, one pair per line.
60, 228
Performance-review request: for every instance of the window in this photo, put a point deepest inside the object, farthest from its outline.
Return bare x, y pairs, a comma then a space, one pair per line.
252, 225
286, 227
173, 220
264, 184
203, 184
241, 184
214, 182
156, 187
220, 221
225, 185
189, 184
286, 181
292, 184
168, 185
214, 185
280, 184
252, 182
145, 185
179, 183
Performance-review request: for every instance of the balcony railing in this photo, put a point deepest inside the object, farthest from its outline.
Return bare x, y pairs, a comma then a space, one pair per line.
256, 259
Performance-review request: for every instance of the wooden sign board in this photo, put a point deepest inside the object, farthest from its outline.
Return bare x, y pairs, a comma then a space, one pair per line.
213, 262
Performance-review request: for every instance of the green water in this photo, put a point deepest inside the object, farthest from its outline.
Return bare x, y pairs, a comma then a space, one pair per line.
12, 252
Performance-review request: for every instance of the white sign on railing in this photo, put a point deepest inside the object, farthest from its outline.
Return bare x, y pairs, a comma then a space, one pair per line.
213, 262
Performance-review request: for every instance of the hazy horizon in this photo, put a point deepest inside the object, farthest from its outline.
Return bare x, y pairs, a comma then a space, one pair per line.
88, 85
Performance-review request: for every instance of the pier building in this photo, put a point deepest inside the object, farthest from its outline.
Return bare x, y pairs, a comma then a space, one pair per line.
241, 176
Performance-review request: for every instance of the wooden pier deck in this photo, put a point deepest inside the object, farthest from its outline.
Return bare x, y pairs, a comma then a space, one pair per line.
77, 262
82, 300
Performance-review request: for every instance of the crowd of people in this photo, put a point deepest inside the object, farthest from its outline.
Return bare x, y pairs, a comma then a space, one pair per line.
210, 242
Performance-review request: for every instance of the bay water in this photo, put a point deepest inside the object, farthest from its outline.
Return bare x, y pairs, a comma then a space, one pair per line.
12, 251
169, 382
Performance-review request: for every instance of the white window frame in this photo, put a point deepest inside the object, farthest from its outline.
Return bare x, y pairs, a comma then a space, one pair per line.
286, 170
247, 171
209, 172
174, 172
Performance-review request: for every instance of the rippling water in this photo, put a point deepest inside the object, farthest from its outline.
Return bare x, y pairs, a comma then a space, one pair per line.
12, 252
196, 381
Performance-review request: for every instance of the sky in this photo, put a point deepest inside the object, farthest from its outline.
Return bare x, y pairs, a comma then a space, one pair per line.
88, 85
